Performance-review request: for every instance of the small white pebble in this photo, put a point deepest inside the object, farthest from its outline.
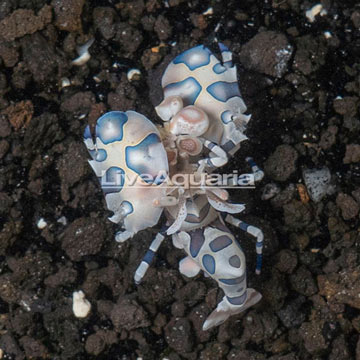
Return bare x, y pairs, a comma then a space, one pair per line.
327, 34
62, 220
209, 11
133, 74
315, 10
65, 82
84, 55
25, 305
41, 224
81, 306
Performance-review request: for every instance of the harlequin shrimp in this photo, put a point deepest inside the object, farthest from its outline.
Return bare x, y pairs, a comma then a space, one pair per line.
196, 78
137, 162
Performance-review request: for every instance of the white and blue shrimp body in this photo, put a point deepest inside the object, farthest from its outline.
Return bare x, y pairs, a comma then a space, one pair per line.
202, 80
130, 162
135, 162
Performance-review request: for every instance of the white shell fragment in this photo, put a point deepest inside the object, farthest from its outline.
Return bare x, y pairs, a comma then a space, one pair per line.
317, 182
133, 74
65, 82
62, 220
41, 224
84, 55
282, 58
81, 306
209, 11
314, 11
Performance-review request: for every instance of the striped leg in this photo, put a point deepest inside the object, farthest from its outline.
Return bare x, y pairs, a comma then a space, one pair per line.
258, 173
219, 159
254, 231
148, 258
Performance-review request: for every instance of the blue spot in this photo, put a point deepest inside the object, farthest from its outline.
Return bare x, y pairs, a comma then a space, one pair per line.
223, 91
209, 263
98, 155
223, 47
258, 261
226, 116
220, 68
234, 261
244, 226
228, 146
233, 281
196, 242
228, 64
87, 133
189, 90
211, 145
149, 256
139, 158
109, 127
239, 300
251, 162
194, 58
127, 207
259, 244
113, 180
220, 243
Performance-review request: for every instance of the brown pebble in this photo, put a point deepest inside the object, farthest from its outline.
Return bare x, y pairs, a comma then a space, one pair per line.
162, 28
95, 344
328, 137
352, 154
150, 58
4, 147
128, 315
267, 52
9, 54
19, 114
349, 207
68, 14
282, 163
84, 236
346, 106
24, 21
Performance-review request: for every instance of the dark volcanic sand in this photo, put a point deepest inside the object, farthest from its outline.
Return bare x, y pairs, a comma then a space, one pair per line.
302, 89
